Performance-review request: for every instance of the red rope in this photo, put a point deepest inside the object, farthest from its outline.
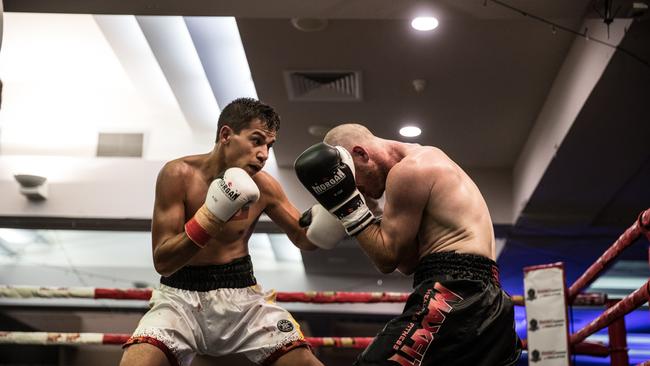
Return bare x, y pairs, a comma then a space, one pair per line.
623, 307
341, 297
114, 338
123, 294
55, 338
642, 225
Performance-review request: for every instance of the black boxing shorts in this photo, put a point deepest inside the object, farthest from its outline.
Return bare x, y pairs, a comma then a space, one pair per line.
458, 314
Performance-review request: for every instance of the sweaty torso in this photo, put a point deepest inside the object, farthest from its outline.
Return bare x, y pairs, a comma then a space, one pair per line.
455, 216
232, 241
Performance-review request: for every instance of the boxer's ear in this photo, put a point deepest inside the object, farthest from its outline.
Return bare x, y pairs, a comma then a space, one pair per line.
225, 133
361, 153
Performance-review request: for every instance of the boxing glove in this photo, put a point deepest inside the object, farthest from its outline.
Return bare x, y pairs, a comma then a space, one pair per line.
227, 194
323, 229
328, 174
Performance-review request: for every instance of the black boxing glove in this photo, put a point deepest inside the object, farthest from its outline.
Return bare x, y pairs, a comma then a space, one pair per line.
328, 174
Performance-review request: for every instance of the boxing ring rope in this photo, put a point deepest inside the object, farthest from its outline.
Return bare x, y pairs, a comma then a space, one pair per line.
78, 339
641, 226
74, 339
623, 307
613, 317
321, 297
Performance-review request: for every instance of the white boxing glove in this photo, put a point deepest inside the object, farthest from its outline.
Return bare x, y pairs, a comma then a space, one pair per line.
323, 229
346, 158
233, 191
229, 194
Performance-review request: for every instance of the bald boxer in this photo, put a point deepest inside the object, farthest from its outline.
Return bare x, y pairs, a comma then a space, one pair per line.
436, 226
205, 210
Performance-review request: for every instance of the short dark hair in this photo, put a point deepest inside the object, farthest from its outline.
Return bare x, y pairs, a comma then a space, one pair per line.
240, 112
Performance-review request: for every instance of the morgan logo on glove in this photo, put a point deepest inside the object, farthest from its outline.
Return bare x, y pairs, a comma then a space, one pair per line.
331, 183
232, 194
285, 326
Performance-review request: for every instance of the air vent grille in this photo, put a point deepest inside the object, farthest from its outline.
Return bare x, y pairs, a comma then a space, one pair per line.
323, 86
120, 144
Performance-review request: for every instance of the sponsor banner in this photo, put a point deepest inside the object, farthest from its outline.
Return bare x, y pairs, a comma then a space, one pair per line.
546, 315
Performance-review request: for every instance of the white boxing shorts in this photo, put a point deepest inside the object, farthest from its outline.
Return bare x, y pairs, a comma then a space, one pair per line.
217, 310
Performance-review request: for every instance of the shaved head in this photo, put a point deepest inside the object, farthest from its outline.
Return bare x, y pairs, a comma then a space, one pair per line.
348, 135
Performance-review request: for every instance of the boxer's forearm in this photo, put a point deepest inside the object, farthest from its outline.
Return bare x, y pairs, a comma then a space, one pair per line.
379, 248
173, 254
299, 239
374, 206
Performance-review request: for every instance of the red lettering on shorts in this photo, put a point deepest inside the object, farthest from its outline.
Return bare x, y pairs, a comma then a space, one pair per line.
403, 336
412, 354
433, 318
442, 296
401, 360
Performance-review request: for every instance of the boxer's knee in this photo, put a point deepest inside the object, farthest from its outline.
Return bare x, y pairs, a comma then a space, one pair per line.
144, 354
301, 356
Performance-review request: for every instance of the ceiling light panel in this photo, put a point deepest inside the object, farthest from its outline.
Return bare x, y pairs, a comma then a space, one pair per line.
172, 45
220, 49
424, 24
410, 131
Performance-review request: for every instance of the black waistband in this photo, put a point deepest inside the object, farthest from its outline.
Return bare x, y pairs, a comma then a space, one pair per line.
236, 274
456, 266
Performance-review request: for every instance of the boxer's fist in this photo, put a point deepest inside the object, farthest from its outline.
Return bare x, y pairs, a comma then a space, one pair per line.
328, 173
323, 229
227, 194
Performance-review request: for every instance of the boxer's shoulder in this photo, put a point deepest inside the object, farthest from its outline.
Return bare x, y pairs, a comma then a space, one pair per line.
184, 167
269, 186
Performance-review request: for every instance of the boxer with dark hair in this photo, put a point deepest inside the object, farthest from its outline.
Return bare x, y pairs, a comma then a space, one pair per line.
205, 210
436, 226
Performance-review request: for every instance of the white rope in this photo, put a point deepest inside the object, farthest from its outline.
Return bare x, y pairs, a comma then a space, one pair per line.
45, 338
24, 292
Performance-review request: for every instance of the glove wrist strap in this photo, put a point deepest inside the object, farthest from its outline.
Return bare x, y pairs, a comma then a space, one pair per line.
354, 215
197, 233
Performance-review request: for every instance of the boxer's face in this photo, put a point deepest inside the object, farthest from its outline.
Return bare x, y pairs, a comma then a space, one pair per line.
249, 149
369, 177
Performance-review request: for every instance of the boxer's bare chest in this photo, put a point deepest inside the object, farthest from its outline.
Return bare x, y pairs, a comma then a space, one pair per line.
232, 240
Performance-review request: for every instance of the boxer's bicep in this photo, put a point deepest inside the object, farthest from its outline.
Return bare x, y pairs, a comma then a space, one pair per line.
282, 212
169, 208
407, 192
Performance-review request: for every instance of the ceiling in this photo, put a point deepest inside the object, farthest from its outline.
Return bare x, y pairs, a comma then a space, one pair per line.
488, 72
461, 110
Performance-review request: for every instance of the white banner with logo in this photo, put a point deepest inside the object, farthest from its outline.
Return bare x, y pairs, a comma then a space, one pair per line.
546, 315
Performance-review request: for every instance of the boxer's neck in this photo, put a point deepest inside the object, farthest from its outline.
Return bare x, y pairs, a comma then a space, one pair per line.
396, 151
214, 164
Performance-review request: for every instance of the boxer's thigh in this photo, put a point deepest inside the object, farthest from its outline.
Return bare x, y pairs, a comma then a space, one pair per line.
168, 326
253, 324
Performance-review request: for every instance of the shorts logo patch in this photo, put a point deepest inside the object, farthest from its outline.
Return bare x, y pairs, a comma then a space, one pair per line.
285, 326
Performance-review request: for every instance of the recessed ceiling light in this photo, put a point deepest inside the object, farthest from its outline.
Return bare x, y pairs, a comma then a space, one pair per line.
410, 131
424, 23
309, 24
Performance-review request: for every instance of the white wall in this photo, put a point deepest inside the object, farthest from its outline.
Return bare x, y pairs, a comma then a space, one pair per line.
496, 187
581, 70
81, 187
124, 187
